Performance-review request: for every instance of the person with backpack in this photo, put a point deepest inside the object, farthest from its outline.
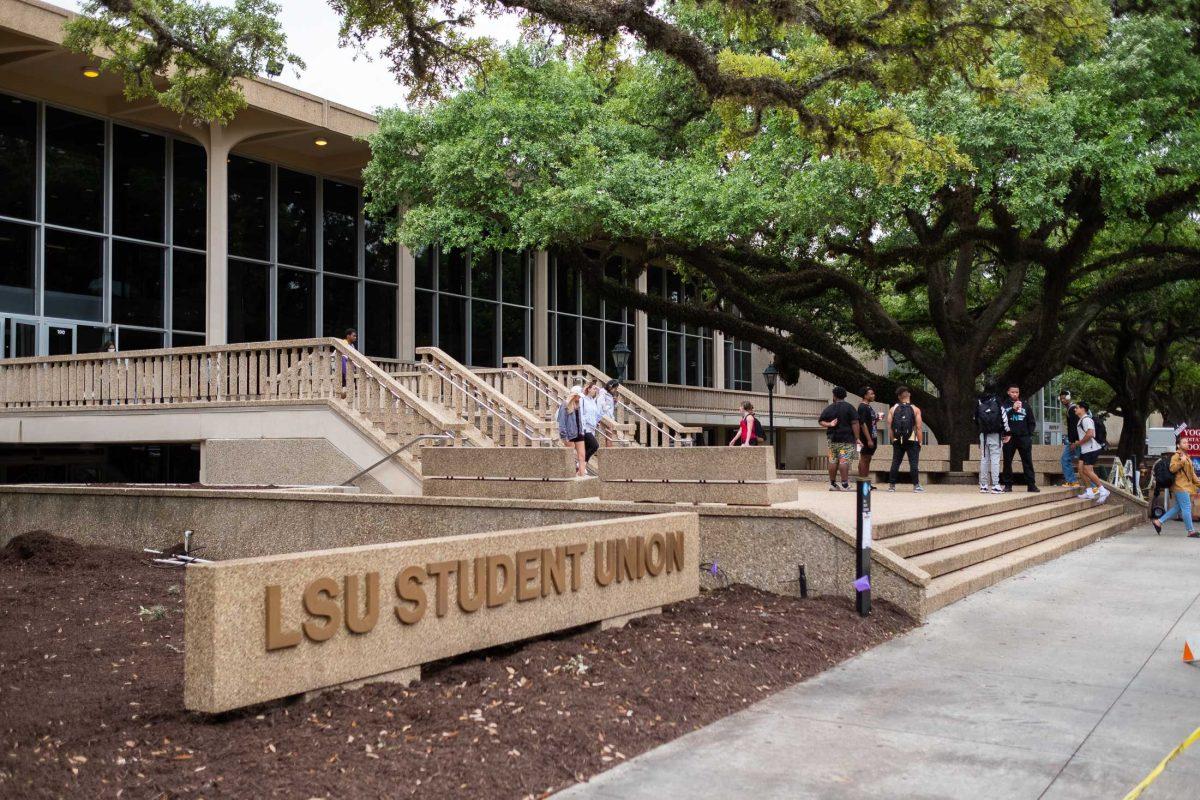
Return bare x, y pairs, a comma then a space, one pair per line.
904, 432
992, 422
1184, 483
1089, 452
1022, 427
1069, 457
840, 420
750, 430
868, 431
571, 429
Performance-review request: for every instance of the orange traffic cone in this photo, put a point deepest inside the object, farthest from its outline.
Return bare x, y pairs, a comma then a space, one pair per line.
1188, 655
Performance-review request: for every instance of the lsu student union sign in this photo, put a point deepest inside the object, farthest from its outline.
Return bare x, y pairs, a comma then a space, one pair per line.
264, 628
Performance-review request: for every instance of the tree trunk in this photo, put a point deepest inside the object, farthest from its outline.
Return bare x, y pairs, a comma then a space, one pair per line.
1133, 428
952, 417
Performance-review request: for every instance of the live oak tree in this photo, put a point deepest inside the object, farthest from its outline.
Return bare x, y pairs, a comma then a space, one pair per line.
1177, 395
1130, 349
966, 186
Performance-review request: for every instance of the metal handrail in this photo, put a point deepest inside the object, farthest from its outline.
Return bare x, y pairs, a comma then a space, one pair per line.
423, 437
482, 402
550, 396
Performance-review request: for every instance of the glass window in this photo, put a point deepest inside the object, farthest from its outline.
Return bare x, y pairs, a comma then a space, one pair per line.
296, 223
654, 357
673, 362
189, 196
423, 319
341, 306
60, 340
693, 375
566, 280
452, 326
91, 339
137, 284
249, 208
296, 304
74, 170
567, 340
249, 302
17, 265
381, 320
593, 344
483, 334
380, 256
483, 276
452, 271
614, 333
424, 260
134, 339
18, 162
515, 342
188, 289
341, 228
74, 276
516, 278
187, 340
139, 184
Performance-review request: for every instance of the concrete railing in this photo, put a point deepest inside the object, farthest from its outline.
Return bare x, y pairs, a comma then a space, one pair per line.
703, 398
302, 369
652, 428
443, 380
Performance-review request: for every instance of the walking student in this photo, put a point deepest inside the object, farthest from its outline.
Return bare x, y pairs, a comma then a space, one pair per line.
1185, 485
593, 410
1089, 452
351, 340
993, 433
1021, 426
840, 420
570, 429
1069, 457
904, 432
750, 431
868, 431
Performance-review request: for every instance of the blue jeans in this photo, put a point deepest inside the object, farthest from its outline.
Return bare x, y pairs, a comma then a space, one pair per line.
1068, 464
1183, 505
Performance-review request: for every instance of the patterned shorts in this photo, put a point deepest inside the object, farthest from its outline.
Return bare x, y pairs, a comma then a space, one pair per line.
843, 451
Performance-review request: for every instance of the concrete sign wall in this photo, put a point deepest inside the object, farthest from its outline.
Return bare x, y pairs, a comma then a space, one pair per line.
264, 628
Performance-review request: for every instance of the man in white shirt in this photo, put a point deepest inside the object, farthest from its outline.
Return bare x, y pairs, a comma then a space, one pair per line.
1089, 453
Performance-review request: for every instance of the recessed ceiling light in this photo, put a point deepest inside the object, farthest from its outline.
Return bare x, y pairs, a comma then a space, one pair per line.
90, 72
320, 141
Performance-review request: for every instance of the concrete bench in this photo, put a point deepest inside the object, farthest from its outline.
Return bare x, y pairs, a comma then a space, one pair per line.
526, 473
1047, 463
730, 475
934, 462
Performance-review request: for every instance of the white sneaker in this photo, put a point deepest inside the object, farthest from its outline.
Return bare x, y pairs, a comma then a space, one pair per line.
1100, 498
983, 490
1090, 494
997, 490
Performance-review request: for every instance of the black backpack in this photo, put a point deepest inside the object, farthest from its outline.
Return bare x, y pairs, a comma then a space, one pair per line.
759, 436
1101, 432
903, 420
1164, 479
990, 416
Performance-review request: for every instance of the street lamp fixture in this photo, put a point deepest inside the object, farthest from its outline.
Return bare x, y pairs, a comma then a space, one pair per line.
771, 376
620, 357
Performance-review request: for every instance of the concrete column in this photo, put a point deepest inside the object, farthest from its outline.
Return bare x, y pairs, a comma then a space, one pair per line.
216, 299
641, 336
718, 357
541, 308
408, 306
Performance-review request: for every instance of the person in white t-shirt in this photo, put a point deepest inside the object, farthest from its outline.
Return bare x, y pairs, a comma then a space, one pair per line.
1089, 453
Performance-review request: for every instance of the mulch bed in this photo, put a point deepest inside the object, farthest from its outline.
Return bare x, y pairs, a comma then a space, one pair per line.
91, 687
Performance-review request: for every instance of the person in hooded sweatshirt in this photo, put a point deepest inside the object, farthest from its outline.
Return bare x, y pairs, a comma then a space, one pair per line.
993, 434
1023, 427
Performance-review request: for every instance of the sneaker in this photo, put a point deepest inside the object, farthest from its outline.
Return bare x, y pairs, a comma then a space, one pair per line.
833, 487
1090, 494
1070, 484
983, 490
997, 490
1194, 535
1033, 489
1100, 498
845, 487
891, 487
918, 488
1007, 488
1157, 526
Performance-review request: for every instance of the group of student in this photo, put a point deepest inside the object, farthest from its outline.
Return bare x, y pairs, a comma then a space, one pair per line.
854, 435
579, 418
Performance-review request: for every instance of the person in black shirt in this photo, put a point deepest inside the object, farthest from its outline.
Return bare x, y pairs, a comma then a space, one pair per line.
1022, 427
1069, 457
840, 420
868, 431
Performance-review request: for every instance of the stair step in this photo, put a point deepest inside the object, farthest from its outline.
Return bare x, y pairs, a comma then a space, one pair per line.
1018, 499
959, 556
956, 585
914, 544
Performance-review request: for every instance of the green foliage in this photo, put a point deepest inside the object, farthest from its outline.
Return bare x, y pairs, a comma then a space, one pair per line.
187, 56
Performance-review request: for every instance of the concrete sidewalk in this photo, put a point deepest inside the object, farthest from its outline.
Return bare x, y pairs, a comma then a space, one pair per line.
1064, 681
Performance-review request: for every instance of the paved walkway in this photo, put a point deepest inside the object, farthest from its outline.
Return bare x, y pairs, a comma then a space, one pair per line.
1062, 682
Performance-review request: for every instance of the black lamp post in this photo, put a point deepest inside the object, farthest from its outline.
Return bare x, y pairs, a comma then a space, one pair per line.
620, 357
771, 375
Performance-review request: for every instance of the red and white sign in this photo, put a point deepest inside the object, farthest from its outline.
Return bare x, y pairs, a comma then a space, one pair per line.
1190, 439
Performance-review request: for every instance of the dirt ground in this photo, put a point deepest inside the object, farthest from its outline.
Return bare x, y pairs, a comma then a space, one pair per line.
91, 688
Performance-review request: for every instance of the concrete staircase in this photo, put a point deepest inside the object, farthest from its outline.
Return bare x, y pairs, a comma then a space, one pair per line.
970, 549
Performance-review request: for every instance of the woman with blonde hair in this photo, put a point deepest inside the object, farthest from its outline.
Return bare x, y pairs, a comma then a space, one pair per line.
571, 428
